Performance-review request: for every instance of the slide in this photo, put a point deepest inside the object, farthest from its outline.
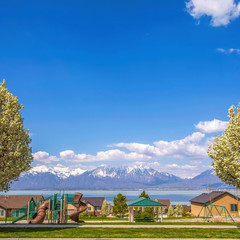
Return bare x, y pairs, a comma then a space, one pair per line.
41, 213
81, 207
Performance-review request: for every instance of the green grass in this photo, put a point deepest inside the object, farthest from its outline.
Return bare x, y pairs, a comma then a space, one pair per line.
118, 233
163, 223
146, 223
94, 218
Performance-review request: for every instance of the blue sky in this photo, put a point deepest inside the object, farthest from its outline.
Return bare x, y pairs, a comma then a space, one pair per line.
92, 74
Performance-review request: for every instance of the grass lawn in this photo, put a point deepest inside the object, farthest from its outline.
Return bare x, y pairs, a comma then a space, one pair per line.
3, 219
118, 233
94, 218
163, 223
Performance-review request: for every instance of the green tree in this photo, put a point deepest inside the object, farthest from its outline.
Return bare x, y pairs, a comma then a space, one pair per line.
186, 213
104, 209
170, 212
144, 194
225, 151
120, 206
15, 152
178, 210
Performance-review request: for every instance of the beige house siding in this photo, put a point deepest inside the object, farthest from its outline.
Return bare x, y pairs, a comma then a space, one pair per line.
196, 208
224, 200
71, 208
2, 212
91, 209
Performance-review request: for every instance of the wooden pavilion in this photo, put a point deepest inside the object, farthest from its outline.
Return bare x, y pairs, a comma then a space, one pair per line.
143, 203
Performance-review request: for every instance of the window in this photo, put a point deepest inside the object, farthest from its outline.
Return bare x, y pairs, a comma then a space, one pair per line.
1, 213
234, 208
98, 208
89, 208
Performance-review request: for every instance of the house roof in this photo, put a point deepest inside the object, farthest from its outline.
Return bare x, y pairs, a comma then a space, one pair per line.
17, 201
206, 197
95, 201
165, 202
144, 202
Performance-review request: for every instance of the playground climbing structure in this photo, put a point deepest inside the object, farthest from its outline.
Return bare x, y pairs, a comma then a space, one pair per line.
54, 209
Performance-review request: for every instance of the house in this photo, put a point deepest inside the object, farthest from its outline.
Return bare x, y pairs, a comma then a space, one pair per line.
94, 205
221, 198
10, 203
165, 202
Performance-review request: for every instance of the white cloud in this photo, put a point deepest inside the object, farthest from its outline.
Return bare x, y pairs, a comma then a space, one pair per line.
228, 51
44, 157
71, 156
110, 155
220, 11
191, 146
212, 126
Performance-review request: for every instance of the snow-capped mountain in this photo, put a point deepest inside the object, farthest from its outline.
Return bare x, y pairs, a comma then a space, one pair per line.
104, 177
58, 170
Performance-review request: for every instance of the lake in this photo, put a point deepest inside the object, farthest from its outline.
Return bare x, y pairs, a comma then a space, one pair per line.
175, 197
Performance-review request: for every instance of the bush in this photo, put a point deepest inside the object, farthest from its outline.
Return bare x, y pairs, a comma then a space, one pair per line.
186, 213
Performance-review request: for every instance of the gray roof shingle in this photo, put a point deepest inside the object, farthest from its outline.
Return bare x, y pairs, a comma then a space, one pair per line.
205, 197
17, 201
95, 201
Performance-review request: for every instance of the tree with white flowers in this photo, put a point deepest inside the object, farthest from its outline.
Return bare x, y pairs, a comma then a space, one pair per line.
225, 151
178, 210
170, 212
104, 209
15, 152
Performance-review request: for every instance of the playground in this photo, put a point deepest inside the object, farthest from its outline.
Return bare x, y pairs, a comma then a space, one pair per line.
53, 208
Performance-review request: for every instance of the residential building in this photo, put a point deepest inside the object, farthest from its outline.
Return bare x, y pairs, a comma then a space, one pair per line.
220, 198
10, 203
94, 205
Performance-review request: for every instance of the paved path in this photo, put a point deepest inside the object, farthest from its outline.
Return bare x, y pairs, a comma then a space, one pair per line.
115, 226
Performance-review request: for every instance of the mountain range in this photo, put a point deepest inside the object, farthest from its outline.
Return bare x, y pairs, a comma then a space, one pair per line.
111, 178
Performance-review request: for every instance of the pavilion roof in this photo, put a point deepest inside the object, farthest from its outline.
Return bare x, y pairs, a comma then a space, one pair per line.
144, 202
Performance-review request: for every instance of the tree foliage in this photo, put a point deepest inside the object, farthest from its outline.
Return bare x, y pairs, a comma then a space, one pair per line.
170, 212
186, 212
104, 209
15, 153
225, 151
120, 206
144, 194
178, 210
147, 212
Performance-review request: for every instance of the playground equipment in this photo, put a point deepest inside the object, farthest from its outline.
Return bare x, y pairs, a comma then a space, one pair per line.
55, 208
208, 209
